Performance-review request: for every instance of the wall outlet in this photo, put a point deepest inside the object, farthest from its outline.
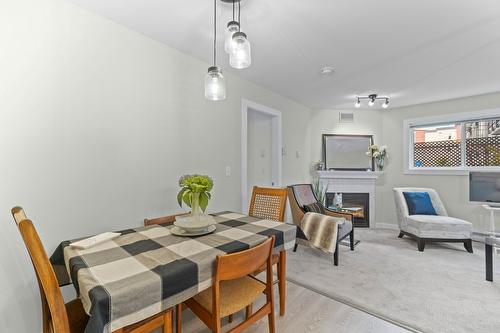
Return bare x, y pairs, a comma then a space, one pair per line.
228, 171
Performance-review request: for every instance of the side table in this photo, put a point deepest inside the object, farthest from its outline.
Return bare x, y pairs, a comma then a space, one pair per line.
489, 243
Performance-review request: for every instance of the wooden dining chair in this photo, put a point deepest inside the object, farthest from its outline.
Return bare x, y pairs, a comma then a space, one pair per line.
60, 317
270, 203
235, 288
163, 220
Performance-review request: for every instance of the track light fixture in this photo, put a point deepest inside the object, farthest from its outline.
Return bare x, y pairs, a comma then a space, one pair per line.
372, 98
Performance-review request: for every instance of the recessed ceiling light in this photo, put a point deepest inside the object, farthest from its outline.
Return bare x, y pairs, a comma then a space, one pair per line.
326, 71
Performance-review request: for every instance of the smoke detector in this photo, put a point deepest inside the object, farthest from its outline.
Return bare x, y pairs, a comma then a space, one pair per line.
326, 71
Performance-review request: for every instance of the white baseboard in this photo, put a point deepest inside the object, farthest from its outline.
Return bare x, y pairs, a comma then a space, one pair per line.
386, 226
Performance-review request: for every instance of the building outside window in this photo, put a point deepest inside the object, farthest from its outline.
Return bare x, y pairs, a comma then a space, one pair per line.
455, 145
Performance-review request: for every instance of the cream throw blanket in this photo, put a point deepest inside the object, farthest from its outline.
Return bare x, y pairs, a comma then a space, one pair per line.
321, 230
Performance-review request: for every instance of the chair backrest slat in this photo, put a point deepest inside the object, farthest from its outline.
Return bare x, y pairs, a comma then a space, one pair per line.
18, 214
52, 299
268, 203
163, 220
239, 264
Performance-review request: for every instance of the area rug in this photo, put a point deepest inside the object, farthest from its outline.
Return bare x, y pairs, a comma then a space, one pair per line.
442, 289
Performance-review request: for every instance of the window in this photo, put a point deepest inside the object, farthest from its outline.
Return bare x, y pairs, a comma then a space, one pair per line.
437, 146
462, 144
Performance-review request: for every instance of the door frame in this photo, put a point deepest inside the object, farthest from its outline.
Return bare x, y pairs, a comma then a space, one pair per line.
276, 149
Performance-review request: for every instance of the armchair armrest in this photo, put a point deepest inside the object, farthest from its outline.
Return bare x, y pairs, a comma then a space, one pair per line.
333, 213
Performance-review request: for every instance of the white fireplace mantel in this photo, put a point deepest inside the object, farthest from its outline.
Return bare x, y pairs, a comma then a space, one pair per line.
349, 174
352, 182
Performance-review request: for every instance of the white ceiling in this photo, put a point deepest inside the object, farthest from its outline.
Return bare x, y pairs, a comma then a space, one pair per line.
414, 51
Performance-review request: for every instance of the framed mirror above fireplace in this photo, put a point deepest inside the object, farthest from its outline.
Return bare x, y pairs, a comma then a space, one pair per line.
347, 152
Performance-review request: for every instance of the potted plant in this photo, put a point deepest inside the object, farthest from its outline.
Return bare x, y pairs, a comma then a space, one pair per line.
379, 154
195, 193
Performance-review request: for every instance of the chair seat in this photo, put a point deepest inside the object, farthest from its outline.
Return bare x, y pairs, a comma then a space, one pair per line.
344, 229
76, 315
235, 295
438, 226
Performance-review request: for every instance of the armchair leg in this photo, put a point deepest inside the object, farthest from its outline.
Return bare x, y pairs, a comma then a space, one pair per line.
178, 316
336, 255
295, 247
421, 245
351, 239
468, 246
401, 234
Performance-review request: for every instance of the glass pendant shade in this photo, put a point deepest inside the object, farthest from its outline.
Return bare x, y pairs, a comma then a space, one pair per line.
240, 56
215, 86
232, 27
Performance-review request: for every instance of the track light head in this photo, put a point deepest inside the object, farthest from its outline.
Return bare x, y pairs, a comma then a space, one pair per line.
358, 104
386, 103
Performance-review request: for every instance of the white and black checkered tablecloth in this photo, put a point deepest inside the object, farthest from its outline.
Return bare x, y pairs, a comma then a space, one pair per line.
147, 270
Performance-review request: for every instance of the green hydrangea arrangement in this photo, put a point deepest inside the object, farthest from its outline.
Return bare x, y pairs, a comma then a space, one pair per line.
195, 191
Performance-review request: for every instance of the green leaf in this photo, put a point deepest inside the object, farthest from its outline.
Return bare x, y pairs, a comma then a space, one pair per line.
179, 196
209, 195
186, 197
203, 201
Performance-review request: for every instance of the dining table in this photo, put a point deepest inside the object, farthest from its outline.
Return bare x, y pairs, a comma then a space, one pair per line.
147, 270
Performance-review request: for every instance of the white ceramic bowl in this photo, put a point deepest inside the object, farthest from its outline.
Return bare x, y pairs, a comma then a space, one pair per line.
190, 224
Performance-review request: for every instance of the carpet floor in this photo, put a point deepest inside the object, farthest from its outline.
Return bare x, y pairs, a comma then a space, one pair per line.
442, 289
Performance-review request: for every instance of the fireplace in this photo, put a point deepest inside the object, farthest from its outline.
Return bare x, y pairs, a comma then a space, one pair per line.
357, 204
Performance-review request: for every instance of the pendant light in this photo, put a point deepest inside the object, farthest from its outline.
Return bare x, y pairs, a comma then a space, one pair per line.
215, 86
240, 56
232, 27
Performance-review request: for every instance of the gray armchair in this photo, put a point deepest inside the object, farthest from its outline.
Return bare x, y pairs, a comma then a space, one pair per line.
301, 195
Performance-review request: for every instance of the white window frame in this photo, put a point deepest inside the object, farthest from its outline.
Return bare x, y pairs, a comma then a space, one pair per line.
408, 142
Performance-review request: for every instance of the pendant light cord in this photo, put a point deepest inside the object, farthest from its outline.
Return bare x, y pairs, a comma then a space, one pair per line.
233, 10
215, 33
239, 10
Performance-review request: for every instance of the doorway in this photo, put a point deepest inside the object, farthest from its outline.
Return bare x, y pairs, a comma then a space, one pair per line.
261, 149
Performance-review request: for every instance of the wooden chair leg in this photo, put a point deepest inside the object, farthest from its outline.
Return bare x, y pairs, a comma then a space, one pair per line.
230, 318
282, 282
249, 310
178, 318
271, 320
167, 322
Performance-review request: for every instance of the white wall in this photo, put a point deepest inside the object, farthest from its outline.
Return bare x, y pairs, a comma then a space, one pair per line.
454, 190
366, 121
96, 125
259, 150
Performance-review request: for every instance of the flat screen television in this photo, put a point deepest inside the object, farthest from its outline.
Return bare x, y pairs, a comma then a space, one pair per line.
484, 187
